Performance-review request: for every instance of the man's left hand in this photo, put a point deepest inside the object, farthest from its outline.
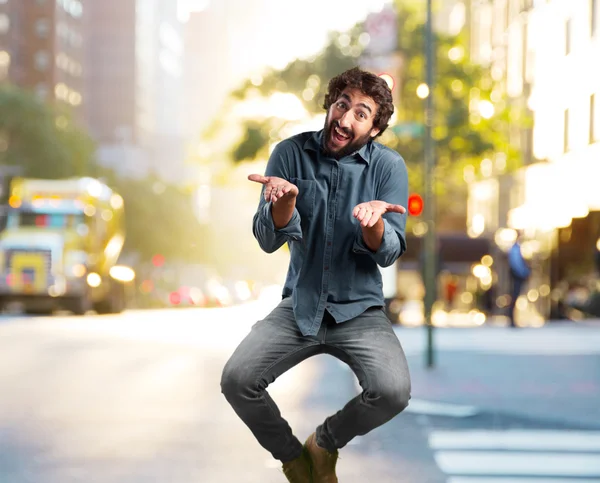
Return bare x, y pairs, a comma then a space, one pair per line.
370, 212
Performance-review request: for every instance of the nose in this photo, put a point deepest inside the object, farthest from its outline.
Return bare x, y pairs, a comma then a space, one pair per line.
345, 120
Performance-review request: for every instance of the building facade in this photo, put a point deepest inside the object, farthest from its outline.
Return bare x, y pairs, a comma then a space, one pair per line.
135, 87
42, 48
543, 55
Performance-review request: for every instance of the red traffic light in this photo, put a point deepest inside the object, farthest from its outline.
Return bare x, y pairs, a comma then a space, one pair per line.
415, 205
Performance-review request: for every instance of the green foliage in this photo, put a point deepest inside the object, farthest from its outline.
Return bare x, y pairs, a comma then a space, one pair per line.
255, 138
463, 138
159, 218
46, 143
340, 54
306, 78
41, 138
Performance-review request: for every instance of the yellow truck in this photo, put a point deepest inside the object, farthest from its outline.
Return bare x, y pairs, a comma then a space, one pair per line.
60, 247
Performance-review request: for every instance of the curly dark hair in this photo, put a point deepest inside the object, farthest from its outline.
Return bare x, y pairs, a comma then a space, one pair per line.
369, 84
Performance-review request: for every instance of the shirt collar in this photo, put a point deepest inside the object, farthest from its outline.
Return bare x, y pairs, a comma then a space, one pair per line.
313, 143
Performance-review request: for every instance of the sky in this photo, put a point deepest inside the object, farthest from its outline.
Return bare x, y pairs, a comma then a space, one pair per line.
300, 26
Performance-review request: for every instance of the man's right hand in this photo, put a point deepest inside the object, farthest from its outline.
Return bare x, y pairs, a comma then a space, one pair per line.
275, 188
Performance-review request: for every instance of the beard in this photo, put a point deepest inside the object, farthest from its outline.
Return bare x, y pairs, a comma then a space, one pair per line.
352, 146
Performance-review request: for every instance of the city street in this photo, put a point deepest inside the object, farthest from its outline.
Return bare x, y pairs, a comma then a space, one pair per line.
135, 398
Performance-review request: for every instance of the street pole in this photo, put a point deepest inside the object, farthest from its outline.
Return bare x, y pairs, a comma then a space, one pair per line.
429, 259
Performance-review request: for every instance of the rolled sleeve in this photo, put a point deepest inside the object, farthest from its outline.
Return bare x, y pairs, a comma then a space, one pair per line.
271, 238
389, 250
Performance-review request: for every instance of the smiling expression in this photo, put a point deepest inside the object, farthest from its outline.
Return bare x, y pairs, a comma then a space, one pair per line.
349, 123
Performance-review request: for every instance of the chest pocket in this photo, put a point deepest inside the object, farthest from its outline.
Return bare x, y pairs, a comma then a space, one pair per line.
305, 202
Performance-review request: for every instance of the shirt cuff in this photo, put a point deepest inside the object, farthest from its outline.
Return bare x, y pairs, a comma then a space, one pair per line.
292, 230
390, 243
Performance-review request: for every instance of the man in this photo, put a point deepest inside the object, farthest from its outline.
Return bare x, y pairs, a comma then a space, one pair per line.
337, 198
519, 273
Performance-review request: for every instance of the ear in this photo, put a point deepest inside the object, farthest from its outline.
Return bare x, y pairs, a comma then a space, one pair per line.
374, 132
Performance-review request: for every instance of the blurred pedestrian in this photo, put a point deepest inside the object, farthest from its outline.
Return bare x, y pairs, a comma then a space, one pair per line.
337, 198
450, 290
519, 273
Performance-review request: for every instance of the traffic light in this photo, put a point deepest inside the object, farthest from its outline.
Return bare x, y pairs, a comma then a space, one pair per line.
415, 205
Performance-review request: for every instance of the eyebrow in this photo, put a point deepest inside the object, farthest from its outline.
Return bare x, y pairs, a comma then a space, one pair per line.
362, 104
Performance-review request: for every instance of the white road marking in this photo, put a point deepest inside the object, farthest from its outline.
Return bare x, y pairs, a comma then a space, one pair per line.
524, 440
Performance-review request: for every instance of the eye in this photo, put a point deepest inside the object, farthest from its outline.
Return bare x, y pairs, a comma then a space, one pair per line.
362, 115
341, 105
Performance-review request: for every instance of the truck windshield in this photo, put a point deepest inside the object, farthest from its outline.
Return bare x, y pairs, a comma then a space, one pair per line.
45, 220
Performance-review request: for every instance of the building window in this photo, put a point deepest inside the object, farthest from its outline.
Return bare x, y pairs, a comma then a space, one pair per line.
594, 120
41, 60
4, 23
593, 17
566, 132
42, 28
4, 64
73, 7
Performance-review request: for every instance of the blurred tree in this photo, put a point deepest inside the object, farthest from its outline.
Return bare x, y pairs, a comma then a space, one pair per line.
41, 138
256, 137
159, 219
302, 77
473, 119
46, 143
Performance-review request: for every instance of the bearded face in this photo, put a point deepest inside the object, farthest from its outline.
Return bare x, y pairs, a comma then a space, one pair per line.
349, 124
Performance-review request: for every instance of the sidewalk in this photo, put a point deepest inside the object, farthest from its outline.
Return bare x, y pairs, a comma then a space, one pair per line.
552, 373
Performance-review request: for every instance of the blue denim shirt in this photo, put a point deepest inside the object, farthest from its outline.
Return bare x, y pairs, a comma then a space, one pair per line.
331, 268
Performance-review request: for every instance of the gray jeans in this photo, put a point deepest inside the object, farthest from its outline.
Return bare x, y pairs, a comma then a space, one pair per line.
367, 344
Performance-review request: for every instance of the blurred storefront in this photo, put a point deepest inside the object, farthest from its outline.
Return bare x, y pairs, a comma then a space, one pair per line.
464, 282
540, 53
557, 208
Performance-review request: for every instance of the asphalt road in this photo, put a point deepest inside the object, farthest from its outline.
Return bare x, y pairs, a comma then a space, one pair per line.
135, 398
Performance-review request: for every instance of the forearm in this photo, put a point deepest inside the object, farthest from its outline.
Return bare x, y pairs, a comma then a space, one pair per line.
282, 212
270, 237
389, 245
373, 236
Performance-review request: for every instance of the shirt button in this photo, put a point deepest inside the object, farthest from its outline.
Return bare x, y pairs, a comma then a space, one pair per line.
326, 268
328, 244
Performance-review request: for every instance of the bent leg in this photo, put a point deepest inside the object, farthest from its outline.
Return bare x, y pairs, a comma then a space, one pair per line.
370, 347
273, 346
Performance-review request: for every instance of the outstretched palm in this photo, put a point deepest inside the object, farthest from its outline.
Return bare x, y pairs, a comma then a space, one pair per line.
370, 212
275, 188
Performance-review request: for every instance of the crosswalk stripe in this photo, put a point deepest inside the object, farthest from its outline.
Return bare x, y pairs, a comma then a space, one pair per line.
529, 440
524, 464
479, 479
432, 408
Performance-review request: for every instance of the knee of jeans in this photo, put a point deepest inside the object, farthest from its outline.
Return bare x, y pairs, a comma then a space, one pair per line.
393, 397
235, 382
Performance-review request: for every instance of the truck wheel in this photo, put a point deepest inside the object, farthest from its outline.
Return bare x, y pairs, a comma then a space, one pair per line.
37, 311
114, 303
80, 306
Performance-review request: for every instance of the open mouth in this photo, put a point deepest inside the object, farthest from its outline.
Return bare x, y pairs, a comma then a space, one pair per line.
339, 136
